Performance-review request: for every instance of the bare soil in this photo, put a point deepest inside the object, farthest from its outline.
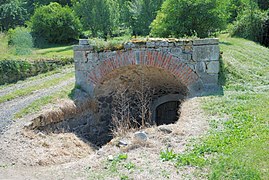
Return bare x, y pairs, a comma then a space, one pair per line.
26, 154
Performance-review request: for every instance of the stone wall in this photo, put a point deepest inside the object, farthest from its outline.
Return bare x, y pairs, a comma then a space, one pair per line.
194, 62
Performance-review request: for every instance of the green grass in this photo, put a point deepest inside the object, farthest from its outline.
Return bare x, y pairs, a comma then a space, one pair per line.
37, 105
28, 90
51, 52
237, 145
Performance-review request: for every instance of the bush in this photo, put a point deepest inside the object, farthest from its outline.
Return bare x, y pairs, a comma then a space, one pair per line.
21, 39
180, 18
250, 25
55, 24
12, 71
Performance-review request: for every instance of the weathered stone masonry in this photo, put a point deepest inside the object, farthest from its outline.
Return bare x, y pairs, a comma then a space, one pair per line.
195, 63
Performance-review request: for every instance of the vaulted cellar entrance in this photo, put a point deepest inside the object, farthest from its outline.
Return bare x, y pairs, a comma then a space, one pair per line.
139, 92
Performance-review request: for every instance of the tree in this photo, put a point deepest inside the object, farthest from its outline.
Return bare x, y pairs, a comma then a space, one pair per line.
99, 16
55, 24
263, 4
138, 14
12, 14
179, 18
252, 24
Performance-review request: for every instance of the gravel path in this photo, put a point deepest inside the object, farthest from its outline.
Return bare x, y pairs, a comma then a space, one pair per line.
31, 82
9, 108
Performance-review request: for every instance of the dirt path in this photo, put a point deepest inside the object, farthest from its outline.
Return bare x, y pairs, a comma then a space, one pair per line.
32, 81
30, 155
9, 108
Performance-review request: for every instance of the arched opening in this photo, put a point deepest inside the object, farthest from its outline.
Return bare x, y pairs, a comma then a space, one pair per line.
167, 113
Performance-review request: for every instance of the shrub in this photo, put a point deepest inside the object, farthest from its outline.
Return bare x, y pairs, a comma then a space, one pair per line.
250, 25
21, 39
180, 18
55, 24
12, 71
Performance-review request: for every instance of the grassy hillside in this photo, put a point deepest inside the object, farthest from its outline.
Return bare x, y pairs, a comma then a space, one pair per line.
237, 145
240, 133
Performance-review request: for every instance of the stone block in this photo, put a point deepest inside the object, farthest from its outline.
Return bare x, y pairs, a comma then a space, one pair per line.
83, 48
79, 56
200, 67
213, 67
207, 41
164, 44
176, 51
129, 45
83, 42
206, 53
171, 44
210, 78
150, 44
179, 43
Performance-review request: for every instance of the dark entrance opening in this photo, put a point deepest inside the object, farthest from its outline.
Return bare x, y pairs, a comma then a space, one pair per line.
167, 113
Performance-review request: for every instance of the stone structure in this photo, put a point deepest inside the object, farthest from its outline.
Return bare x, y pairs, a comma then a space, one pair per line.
174, 68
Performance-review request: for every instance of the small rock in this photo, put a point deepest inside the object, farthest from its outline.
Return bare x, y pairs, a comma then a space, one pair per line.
140, 136
40, 134
28, 124
110, 158
122, 143
165, 130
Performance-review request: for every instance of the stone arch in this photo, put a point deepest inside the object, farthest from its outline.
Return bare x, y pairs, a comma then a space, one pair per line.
149, 58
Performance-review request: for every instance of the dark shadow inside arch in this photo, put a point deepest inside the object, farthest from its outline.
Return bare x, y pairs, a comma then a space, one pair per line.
167, 113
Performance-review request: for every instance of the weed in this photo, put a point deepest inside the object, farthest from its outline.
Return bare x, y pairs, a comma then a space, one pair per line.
129, 166
168, 155
124, 177
113, 166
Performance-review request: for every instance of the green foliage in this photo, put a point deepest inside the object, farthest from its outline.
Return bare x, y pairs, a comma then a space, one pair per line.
129, 166
55, 24
235, 7
139, 14
250, 25
178, 18
100, 16
12, 13
13, 71
111, 44
116, 161
106, 18
21, 39
167, 155
263, 4
190, 159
